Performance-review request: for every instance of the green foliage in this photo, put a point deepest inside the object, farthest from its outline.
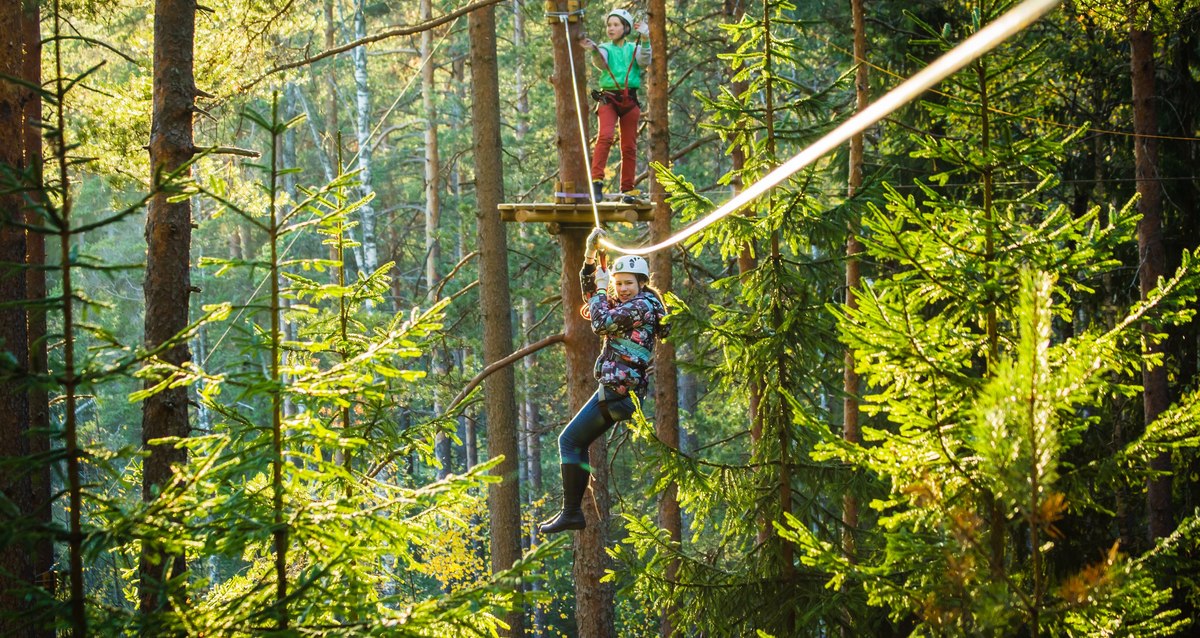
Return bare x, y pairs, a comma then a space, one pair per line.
346, 537
764, 333
997, 334
991, 391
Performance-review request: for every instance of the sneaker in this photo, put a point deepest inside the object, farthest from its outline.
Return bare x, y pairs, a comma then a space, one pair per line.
633, 196
597, 190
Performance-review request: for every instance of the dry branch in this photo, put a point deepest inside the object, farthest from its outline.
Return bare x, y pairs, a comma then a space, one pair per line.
474, 383
382, 35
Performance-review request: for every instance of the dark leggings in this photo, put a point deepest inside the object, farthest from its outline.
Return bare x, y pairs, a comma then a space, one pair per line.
590, 424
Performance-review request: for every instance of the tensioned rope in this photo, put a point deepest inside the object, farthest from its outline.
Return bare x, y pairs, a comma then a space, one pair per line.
1028, 118
966, 52
562, 17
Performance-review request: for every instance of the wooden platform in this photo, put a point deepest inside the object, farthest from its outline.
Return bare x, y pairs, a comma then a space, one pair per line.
576, 213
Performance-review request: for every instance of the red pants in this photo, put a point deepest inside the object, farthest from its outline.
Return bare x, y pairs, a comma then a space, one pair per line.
608, 117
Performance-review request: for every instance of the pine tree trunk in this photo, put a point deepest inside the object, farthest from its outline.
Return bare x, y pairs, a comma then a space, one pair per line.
781, 414
18, 569
594, 614
330, 147
666, 384
1156, 397
746, 262
504, 497
168, 280
35, 281
366, 254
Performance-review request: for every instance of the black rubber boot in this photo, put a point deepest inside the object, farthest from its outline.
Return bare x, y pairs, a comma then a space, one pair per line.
575, 482
597, 190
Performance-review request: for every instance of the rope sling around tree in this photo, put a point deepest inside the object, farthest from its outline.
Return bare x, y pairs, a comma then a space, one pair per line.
969, 50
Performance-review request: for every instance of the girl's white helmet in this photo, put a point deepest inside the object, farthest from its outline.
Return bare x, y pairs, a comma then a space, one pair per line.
632, 264
624, 16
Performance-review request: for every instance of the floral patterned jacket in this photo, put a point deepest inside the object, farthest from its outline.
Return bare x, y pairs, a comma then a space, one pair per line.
629, 330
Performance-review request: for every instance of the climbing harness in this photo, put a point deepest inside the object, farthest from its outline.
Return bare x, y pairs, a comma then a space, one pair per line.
966, 52
625, 99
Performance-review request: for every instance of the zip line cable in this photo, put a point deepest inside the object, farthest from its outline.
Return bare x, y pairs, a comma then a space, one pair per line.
296, 237
1028, 118
579, 117
966, 52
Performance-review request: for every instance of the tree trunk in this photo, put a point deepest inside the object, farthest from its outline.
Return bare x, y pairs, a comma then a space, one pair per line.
168, 280
594, 614
35, 282
504, 504
746, 262
330, 147
850, 383
666, 385
433, 204
366, 254
433, 207
18, 565
1156, 397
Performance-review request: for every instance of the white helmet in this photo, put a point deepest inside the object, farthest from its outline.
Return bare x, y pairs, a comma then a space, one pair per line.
632, 264
624, 16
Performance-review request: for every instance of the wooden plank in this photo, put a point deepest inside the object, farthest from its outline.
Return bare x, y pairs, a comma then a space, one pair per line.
533, 212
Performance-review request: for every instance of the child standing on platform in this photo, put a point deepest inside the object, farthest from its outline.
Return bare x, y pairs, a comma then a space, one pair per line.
620, 63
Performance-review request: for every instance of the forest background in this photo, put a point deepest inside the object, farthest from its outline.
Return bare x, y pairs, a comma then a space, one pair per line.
942, 382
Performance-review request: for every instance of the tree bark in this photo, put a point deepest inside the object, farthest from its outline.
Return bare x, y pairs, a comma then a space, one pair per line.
366, 254
331, 97
851, 431
1152, 264
19, 565
666, 385
504, 497
433, 204
530, 408
433, 207
168, 281
594, 614
35, 281
746, 262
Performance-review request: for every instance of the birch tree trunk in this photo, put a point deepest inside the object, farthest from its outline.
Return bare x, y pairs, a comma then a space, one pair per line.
367, 254
433, 203
850, 382
504, 498
168, 280
851, 430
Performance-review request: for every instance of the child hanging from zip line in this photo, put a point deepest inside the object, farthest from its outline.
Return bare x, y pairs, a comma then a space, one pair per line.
629, 321
620, 63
